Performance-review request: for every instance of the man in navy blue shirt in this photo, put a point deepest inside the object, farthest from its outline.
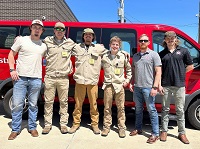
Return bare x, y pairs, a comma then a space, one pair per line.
176, 61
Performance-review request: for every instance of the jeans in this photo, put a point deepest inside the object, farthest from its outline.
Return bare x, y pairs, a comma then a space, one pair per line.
25, 87
142, 95
179, 97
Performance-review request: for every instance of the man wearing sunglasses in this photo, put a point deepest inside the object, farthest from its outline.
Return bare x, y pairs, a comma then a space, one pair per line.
147, 74
58, 67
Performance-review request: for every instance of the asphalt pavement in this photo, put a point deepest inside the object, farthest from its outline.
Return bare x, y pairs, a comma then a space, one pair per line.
84, 137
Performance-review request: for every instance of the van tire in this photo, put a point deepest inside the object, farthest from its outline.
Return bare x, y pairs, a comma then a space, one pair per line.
193, 114
7, 104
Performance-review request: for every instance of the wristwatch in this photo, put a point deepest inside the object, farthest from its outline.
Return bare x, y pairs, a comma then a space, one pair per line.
155, 88
11, 70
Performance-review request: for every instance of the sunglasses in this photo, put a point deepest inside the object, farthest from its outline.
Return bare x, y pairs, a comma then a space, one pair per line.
141, 41
59, 29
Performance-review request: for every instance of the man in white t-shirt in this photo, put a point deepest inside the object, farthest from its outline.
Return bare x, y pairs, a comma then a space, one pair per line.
27, 77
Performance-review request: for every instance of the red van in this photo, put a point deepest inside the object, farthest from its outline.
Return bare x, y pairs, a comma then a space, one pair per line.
129, 34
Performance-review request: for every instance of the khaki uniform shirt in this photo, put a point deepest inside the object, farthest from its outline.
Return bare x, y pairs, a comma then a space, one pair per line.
87, 63
58, 63
114, 70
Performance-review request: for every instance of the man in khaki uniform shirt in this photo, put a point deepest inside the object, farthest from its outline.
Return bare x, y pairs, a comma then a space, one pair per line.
58, 66
113, 63
87, 71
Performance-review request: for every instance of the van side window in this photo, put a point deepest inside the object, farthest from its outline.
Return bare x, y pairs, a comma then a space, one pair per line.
128, 37
75, 33
157, 46
7, 36
48, 32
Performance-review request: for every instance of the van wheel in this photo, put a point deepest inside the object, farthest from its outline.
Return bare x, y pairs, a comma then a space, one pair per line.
194, 114
7, 104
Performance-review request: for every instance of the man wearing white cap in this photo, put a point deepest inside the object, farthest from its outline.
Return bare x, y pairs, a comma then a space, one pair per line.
58, 67
27, 77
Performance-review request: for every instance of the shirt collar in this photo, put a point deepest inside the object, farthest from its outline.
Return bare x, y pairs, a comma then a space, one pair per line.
177, 48
83, 44
147, 52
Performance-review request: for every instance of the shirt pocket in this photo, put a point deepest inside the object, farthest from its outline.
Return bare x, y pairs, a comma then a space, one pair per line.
50, 49
66, 52
94, 56
120, 64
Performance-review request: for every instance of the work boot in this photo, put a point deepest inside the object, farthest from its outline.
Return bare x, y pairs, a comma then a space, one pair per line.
34, 133
46, 130
105, 132
63, 129
13, 135
122, 133
73, 129
96, 130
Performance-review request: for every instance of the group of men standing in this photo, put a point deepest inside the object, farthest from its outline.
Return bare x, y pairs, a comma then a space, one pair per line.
146, 69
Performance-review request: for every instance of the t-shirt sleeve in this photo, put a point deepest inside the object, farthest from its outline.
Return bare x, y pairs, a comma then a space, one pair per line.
187, 58
17, 44
156, 60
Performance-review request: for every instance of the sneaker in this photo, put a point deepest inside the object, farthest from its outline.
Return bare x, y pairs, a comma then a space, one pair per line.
73, 129
105, 132
63, 129
122, 133
96, 130
46, 130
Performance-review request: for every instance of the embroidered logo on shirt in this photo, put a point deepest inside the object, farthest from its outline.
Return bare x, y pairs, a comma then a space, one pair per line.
178, 53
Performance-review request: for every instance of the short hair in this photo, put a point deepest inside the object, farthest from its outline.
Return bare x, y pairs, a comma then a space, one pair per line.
116, 39
143, 36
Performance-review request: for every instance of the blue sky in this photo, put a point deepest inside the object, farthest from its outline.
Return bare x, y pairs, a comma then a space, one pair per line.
178, 13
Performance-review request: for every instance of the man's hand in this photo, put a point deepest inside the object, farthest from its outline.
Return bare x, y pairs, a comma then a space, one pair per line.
125, 84
153, 92
161, 90
14, 75
131, 87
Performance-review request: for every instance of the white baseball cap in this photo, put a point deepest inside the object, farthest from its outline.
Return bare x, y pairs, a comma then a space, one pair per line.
37, 22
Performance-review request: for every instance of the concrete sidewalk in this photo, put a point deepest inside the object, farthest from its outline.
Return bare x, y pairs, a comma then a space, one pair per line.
85, 139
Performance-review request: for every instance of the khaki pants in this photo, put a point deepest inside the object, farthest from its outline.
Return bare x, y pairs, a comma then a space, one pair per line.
109, 93
80, 92
61, 84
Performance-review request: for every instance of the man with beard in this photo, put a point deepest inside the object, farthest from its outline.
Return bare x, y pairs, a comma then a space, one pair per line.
87, 70
27, 77
176, 61
147, 74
